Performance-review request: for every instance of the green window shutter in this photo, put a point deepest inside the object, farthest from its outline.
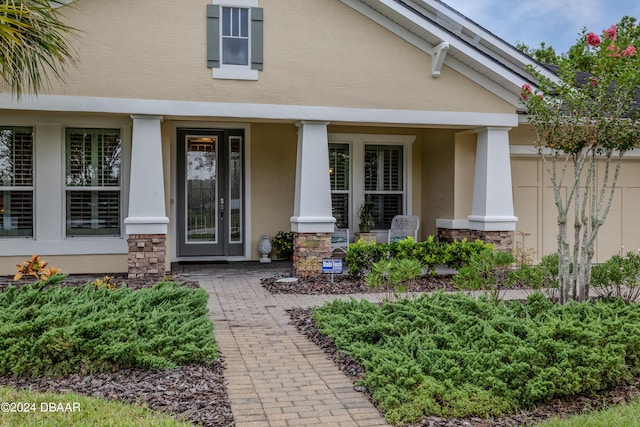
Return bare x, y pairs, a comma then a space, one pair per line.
256, 38
213, 36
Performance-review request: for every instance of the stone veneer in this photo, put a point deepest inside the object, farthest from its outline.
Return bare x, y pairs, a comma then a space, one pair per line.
502, 240
308, 251
147, 253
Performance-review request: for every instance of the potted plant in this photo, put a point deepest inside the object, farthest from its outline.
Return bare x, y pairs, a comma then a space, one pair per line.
367, 215
283, 244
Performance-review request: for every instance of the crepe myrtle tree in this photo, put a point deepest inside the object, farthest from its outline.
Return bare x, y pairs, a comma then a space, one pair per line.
585, 121
33, 44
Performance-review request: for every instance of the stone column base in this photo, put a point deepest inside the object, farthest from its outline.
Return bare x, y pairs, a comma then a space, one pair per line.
502, 240
147, 254
308, 251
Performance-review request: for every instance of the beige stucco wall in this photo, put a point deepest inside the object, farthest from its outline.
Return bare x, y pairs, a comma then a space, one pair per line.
465, 166
438, 153
273, 178
316, 53
523, 135
72, 264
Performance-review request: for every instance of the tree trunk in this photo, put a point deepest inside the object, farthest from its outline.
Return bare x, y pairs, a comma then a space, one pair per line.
564, 277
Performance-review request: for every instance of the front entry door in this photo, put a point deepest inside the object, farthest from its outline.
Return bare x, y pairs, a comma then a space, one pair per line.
210, 193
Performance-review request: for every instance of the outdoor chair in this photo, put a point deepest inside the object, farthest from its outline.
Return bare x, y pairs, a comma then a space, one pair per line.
340, 240
403, 226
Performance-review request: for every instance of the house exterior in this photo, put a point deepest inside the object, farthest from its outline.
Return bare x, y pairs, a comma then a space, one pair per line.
190, 129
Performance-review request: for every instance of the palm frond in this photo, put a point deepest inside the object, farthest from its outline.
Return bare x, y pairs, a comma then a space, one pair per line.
33, 44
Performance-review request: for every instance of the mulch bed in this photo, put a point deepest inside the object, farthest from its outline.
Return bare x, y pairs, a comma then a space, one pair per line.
195, 393
342, 284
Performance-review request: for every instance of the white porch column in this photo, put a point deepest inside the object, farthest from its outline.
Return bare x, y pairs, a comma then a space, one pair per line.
492, 208
146, 186
312, 208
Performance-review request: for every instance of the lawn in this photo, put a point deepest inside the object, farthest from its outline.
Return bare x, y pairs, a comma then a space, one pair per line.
455, 356
34, 409
621, 415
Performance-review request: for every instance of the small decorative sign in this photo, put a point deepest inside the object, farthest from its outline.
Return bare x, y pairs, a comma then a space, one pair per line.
330, 265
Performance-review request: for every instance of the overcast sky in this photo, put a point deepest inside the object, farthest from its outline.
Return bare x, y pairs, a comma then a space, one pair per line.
556, 22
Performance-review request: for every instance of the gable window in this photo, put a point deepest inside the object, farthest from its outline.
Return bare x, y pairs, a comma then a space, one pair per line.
16, 181
93, 183
234, 39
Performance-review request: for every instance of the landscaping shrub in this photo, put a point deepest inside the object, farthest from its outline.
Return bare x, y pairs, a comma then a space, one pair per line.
543, 275
57, 331
485, 271
454, 356
431, 253
458, 253
393, 276
618, 277
362, 255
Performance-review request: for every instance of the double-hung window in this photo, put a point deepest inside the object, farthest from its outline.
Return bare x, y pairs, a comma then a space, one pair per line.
383, 181
371, 168
93, 182
234, 39
339, 167
16, 181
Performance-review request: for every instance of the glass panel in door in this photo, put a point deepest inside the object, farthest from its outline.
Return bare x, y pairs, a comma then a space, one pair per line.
201, 189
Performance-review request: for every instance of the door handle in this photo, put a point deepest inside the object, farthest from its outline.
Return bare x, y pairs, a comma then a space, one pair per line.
221, 208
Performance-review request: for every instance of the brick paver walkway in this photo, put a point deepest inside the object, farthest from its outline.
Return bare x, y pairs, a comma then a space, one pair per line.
276, 377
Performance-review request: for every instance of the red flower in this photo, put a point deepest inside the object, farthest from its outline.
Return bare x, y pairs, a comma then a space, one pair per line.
616, 51
525, 91
630, 51
611, 32
594, 81
593, 39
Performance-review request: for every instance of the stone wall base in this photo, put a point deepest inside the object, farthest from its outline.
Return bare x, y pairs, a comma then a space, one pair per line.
147, 254
502, 240
308, 251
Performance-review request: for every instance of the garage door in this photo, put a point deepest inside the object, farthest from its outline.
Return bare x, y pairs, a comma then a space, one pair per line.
536, 211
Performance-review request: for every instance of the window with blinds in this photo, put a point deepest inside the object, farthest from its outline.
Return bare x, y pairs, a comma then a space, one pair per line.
339, 162
383, 181
93, 184
16, 181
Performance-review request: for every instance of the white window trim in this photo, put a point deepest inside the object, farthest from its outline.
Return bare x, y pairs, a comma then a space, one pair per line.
119, 188
356, 144
235, 72
49, 180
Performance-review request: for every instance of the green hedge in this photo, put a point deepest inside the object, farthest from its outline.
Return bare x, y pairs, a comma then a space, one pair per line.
431, 253
57, 330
